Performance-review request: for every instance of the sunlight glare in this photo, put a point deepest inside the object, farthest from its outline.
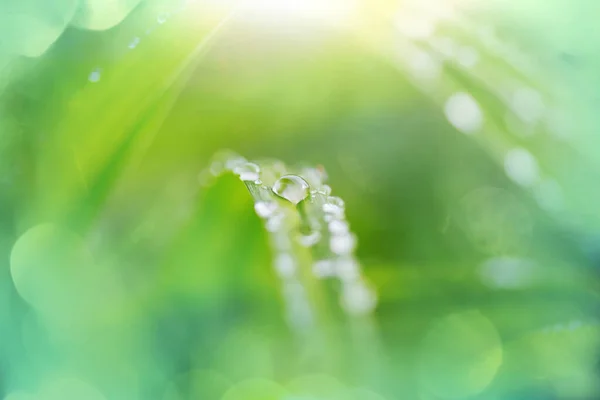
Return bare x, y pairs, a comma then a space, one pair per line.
278, 10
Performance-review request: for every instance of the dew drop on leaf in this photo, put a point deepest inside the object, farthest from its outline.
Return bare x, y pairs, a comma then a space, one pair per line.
292, 188
248, 172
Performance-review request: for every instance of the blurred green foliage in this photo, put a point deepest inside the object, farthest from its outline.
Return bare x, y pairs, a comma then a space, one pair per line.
121, 278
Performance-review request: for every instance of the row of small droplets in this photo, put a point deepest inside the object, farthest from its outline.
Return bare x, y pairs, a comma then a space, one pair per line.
278, 222
324, 230
334, 254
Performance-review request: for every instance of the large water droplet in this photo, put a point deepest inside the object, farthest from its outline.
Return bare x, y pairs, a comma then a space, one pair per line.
292, 188
248, 172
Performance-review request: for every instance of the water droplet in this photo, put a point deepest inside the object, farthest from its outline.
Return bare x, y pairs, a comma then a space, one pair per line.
348, 269
234, 162
222, 160
343, 244
275, 222
358, 299
134, 42
284, 264
321, 169
325, 189
310, 240
464, 113
324, 268
248, 172
95, 75
265, 209
521, 167
334, 207
225, 160
161, 19
292, 188
281, 242
338, 227
314, 176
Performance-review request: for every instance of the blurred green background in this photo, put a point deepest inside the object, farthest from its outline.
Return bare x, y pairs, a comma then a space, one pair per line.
461, 135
